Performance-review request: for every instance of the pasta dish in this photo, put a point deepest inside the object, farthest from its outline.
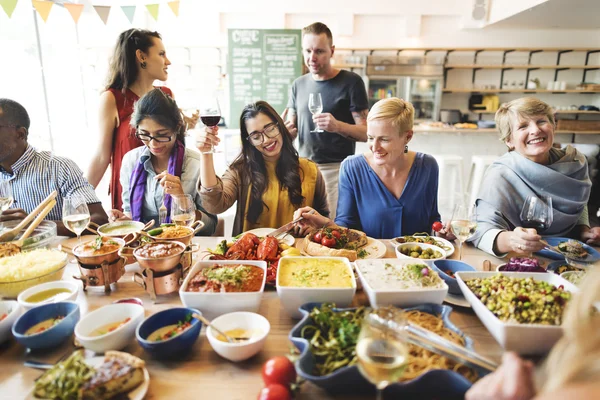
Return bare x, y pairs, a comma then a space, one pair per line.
174, 232
9, 249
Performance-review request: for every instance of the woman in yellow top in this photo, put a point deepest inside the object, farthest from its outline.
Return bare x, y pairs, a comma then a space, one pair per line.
268, 179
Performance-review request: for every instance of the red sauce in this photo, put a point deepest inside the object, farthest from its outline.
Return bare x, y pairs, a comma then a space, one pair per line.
158, 250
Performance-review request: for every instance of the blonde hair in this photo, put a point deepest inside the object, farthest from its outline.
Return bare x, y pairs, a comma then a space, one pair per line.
401, 113
518, 109
575, 359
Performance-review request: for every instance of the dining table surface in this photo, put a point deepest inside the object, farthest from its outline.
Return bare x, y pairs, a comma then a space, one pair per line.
202, 372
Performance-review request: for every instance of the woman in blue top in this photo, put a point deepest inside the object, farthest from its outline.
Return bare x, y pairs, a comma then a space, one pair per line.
163, 167
389, 191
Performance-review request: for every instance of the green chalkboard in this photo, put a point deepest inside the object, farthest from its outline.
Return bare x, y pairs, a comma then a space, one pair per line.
262, 65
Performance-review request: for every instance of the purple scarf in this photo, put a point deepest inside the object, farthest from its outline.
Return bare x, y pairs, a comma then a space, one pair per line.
137, 182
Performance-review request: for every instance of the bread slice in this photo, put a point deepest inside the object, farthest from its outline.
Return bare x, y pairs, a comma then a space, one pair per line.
120, 373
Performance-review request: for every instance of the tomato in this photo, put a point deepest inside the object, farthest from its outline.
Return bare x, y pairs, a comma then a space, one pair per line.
437, 226
328, 242
317, 237
336, 234
274, 391
279, 370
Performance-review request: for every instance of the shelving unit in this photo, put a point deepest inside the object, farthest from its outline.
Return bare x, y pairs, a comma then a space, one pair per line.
458, 90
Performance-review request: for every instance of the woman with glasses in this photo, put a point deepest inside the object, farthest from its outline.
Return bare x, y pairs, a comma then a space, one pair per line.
268, 179
163, 167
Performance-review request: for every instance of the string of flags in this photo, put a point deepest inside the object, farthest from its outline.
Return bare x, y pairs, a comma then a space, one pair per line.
43, 7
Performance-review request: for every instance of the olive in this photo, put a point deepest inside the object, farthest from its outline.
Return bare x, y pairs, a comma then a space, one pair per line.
416, 249
414, 254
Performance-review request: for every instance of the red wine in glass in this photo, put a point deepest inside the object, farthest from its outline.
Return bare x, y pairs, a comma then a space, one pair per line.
537, 225
211, 120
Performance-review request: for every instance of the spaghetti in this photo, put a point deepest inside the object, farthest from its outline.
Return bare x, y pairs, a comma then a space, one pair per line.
174, 232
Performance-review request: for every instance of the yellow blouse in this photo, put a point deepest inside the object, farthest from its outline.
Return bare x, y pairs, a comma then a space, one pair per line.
279, 210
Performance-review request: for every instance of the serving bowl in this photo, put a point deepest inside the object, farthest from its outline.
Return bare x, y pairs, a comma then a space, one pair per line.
110, 314
176, 346
108, 256
9, 312
120, 229
241, 350
11, 289
25, 295
438, 383
571, 275
158, 264
187, 239
292, 298
54, 335
512, 336
214, 304
441, 266
423, 246
397, 296
42, 237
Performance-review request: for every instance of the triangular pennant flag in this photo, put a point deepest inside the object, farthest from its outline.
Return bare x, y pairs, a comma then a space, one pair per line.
103, 12
8, 6
43, 8
174, 6
129, 12
75, 10
153, 10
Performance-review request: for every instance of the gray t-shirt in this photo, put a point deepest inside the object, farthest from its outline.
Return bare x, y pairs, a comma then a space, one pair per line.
342, 95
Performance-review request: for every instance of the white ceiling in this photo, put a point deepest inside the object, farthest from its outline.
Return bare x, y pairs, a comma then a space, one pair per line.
556, 14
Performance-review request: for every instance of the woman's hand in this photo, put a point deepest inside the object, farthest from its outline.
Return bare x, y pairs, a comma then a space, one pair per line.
591, 236
312, 220
191, 122
513, 380
171, 184
521, 241
446, 232
117, 215
207, 139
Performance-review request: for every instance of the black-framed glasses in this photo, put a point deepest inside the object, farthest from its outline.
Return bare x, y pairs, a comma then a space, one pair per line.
270, 130
160, 139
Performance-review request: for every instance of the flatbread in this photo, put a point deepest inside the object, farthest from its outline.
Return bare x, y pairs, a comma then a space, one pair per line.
356, 240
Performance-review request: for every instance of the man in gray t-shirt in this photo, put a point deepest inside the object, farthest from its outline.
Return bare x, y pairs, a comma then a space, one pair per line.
345, 108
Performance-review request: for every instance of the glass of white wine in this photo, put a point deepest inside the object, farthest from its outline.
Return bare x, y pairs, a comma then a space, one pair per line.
381, 350
75, 214
183, 210
463, 224
315, 106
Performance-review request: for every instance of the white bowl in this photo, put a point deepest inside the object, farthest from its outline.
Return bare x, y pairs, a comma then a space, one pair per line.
293, 297
397, 296
238, 320
423, 246
115, 340
73, 287
214, 304
13, 311
520, 338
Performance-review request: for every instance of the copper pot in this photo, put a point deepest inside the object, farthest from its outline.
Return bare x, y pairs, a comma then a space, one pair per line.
103, 274
156, 264
159, 283
193, 229
136, 226
108, 257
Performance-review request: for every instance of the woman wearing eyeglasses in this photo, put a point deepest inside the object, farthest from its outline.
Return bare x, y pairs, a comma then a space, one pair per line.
163, 167
268, 179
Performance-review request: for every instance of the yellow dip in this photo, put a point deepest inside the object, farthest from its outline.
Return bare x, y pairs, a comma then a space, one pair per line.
314, 272
43, 326
241, 334
108, 328
46, 295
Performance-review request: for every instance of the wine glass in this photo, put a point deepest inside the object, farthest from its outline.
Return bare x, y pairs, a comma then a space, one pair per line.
75, 214
315, 106
6, 197
463, 224
183, 210
210, 115
537, 212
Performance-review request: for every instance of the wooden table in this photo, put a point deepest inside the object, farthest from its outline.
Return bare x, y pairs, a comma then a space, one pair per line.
204, 373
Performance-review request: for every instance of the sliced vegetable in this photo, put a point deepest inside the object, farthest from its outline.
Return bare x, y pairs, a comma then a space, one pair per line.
155, 231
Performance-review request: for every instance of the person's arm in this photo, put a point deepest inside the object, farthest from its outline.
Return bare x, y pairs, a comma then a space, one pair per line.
290, 118
347, 214
108, 120
356, 131
320, 200
127, 166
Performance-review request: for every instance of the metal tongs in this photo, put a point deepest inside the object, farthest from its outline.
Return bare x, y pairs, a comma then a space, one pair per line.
278, 232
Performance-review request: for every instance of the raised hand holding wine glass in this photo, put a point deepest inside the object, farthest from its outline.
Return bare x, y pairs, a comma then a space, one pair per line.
315, 106
75, 214
210, 115
537, 213
183, 210
463, 224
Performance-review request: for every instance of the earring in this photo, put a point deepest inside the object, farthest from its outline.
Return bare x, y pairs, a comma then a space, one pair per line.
405, 149
143, 65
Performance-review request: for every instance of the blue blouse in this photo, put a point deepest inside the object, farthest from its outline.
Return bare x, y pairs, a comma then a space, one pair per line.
364, 203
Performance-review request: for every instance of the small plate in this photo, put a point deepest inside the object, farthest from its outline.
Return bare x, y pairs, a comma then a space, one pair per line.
593, 254
375, 248
136, 394
446, 243
262, 232
457, 300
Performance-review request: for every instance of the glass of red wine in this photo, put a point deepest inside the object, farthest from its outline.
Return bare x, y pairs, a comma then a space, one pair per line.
537, 213
210, 115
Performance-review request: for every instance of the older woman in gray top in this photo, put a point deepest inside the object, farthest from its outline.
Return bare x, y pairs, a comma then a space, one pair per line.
532, 167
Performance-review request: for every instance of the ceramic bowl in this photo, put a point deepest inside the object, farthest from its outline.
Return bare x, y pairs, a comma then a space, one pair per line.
53, 336
239, 320
9, 312
71, 286
441, 266
423, 246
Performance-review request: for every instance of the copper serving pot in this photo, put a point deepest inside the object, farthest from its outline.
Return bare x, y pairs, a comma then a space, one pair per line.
187, 239
156, 264
159, 283
103, 274
121, 229
108, 257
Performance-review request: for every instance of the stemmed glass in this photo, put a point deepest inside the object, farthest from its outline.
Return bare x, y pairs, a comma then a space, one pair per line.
75, 214
6, 196
537, 213
183, 210
463, 224
210, 114
381, 349
315, 106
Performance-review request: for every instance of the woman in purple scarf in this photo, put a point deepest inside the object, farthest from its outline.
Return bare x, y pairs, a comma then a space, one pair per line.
163, 167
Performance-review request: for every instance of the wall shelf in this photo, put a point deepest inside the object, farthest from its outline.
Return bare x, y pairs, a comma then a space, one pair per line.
519, 66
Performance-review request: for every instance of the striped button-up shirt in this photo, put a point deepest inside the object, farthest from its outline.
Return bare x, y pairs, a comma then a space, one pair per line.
37, 173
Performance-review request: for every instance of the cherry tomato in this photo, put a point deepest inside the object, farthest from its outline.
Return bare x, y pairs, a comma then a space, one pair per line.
274, 391
317, 237
328, 242
336, 234
279, 370
437, 226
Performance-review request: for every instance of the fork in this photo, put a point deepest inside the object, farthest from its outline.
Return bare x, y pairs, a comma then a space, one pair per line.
162, 213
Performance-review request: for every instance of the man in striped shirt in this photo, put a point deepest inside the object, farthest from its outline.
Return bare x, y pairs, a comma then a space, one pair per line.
33, 174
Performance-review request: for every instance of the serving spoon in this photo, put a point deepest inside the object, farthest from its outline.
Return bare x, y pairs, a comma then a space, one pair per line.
227, 337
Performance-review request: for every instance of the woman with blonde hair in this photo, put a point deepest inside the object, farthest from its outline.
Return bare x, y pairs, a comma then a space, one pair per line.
532, 167
389, 191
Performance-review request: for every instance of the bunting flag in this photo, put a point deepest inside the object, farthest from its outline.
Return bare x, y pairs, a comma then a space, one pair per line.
8, 6
75, 10
175, 7
103, 12
43, 8
129, 12
153, 10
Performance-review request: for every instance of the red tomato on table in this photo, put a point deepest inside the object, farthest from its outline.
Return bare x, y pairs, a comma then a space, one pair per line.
279, 370
274, 391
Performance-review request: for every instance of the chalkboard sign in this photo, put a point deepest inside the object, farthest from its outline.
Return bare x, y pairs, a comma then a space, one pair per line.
262, 65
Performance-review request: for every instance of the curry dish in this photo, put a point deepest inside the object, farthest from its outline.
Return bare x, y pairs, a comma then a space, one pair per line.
158, 250
97, 247
227, 278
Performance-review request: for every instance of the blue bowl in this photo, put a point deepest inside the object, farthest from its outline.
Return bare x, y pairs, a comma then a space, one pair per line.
440, 266
53, 336
437, 383
593, 254
176, 346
